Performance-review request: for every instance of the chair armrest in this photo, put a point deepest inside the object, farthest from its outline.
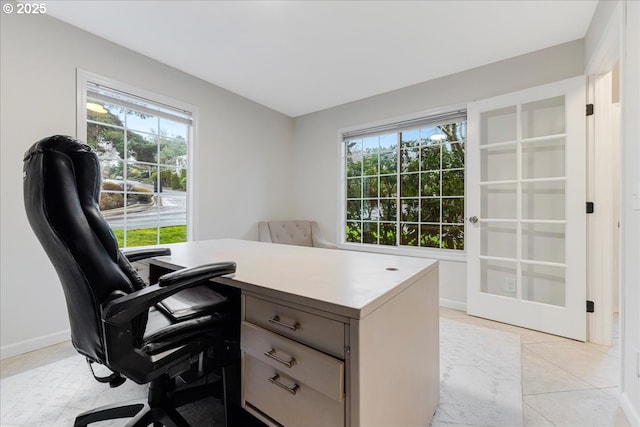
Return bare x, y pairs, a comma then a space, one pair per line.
134, 255
122, 310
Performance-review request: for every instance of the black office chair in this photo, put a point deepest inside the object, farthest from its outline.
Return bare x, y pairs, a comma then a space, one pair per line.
111, 308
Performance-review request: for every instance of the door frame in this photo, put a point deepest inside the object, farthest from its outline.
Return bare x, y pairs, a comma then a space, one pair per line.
602, 180
605, 56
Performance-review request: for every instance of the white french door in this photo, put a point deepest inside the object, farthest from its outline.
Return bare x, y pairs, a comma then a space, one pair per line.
526, 193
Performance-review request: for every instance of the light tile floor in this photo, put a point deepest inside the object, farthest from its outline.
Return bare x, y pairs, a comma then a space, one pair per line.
565, 383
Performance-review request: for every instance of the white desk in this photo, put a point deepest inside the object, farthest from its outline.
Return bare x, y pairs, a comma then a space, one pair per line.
359, 330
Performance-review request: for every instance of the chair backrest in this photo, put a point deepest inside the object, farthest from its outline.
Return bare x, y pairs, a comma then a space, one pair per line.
62, 183
286, 232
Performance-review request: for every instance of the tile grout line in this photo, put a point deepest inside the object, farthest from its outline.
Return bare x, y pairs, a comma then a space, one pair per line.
591, 386
533, 408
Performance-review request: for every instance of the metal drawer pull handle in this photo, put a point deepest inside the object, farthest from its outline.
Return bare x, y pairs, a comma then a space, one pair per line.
272, 354
276, 320
274, 380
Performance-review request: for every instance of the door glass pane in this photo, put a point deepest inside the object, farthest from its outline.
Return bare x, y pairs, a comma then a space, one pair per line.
498, 126
543, 284
498, 201
498, 278
543, 242
544, 117
543, 159
498, 239
543, 200
498, 164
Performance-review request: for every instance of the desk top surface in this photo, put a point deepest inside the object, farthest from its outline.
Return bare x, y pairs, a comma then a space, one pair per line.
347, 283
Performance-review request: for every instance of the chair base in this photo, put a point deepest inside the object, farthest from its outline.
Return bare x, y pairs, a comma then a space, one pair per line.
160, 407
140, 412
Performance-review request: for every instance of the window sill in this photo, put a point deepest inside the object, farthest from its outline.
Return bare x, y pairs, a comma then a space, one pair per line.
439, 254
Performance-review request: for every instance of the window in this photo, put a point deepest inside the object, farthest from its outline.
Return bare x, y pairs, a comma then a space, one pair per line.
404, 183
143, 150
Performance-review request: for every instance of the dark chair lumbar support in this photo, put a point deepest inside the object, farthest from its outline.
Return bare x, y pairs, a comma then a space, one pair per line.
112, 311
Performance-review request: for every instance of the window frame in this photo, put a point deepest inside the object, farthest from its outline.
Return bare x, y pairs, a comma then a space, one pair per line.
84, 78
423, 252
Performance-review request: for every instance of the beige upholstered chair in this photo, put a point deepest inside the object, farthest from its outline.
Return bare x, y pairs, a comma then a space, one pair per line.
300, 233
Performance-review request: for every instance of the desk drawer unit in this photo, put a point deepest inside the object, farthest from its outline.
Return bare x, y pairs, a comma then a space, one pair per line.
319, 332
287, 400
311, 367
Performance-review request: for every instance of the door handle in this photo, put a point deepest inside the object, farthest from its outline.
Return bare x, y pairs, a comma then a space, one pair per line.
473, 219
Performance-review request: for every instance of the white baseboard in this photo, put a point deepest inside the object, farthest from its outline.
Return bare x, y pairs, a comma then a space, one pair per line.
455, 305
629, 411
34, 344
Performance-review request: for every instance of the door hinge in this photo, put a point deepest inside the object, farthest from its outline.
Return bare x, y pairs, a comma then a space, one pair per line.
589, 109
589, 207
590, 307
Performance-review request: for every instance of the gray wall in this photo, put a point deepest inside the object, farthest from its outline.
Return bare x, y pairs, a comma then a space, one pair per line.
317, 147
242, 157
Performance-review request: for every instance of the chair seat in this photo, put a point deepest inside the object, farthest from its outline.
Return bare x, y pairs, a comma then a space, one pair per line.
163, 333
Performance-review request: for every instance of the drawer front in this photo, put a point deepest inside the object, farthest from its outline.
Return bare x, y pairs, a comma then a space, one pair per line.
315, 369
324, 334
271, 391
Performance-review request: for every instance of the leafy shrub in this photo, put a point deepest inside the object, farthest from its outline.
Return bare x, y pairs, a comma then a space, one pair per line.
111, 185
111, 201
143, 199
116, 200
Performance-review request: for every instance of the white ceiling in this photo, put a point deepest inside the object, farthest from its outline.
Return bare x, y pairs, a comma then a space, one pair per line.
299, 57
